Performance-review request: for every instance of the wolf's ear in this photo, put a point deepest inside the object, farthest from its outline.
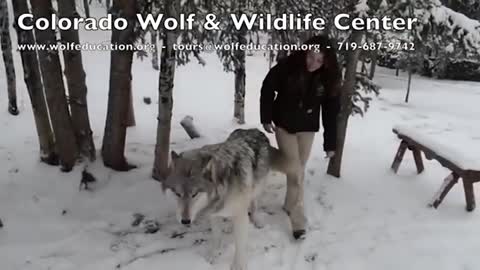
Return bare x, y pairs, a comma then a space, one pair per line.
165, 182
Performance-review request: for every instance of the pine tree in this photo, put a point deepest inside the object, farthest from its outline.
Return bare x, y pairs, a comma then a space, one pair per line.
353, 83
77, 87
86, 6
471, 8
6, 45
233, 60
334, 166
33, 81
119, 97
165, 97
442, 35
239, 56
55, 90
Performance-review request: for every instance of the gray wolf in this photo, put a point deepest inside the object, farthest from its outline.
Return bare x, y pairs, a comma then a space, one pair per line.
223, 180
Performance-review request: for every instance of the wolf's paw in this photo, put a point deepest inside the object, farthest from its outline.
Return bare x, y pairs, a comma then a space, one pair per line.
257, 221
213, 256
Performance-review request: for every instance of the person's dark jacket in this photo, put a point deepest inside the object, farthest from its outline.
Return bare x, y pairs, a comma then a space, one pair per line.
291, 98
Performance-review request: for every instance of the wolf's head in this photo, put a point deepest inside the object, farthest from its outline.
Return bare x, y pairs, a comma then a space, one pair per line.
188, 180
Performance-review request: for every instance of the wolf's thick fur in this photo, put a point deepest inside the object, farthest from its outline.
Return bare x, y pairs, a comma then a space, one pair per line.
222, 180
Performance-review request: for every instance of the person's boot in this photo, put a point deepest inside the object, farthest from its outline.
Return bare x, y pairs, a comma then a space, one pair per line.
12, 107
298, 222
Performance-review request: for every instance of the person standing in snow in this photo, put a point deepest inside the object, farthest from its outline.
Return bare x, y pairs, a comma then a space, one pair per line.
293, 93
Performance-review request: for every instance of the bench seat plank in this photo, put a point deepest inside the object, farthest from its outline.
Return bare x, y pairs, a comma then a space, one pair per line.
449, 157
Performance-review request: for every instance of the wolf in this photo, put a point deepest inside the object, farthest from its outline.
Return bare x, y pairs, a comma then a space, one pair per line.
223, 180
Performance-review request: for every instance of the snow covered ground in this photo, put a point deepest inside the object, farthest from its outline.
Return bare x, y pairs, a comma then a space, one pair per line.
368, 219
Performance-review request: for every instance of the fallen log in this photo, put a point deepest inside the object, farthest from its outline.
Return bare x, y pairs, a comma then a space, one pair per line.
187, 124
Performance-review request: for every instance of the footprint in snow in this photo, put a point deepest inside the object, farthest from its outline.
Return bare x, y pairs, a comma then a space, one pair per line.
311, 257
198, 242
267, 248
324, 204
421, 116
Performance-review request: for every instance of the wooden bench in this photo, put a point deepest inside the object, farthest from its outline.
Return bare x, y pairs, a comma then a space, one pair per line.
466, 169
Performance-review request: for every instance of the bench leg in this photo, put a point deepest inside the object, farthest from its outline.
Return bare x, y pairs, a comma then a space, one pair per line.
399, 156
469, 194
417, 155
448, 183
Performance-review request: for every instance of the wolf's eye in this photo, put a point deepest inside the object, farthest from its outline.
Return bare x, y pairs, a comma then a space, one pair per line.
178, 194
194, 194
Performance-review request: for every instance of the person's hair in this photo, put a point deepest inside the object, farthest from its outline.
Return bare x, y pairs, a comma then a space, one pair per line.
330, 72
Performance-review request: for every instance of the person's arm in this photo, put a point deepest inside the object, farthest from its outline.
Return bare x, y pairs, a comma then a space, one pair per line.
267, 93
330, 111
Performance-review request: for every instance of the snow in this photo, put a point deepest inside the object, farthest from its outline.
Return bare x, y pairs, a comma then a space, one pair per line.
468, 29
369, 219
450, 48
453, 149
384, 4
362, 8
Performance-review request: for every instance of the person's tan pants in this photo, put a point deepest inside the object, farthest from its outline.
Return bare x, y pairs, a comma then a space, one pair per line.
295, 149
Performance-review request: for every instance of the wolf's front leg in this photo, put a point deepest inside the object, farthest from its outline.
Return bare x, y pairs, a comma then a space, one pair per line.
253, 215
240, 230
216, 245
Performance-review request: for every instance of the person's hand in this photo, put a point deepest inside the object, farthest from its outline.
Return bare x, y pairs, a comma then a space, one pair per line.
329, 154
270, 128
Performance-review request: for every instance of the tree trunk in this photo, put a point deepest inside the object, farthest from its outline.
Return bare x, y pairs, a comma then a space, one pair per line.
77, 87
107, 5
33, 81
86, 7
414, 35
209, 5
239, 62
335, 164
6, 45
373, 64
165, 97
119, 93
407, 96
239, 110
364, 67
154, 36
282, 53
130, 120
270, 58
55, 89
